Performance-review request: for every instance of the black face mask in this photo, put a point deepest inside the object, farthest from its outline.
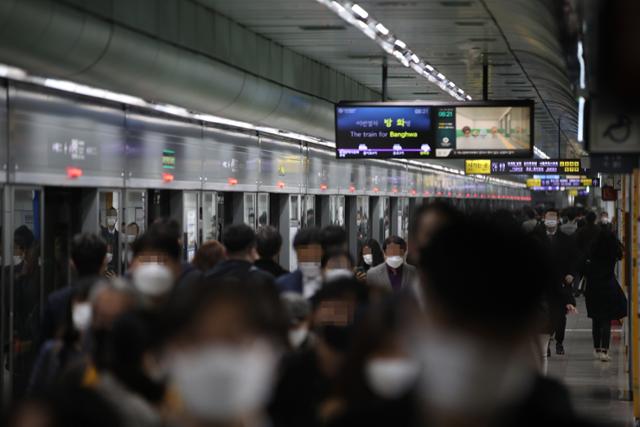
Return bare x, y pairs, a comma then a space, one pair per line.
338, 337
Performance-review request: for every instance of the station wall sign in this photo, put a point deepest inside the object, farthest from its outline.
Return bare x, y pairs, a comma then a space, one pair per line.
612, 130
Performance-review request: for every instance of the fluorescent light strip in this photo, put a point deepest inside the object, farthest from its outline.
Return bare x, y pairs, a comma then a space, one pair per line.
541, 154
358, 17
580, 55
581, 102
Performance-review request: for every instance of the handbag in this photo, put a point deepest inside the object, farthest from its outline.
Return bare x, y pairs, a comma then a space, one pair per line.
619, 303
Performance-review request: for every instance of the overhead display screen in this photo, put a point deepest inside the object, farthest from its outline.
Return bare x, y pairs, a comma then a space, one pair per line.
434, 130
523, 167
562, 183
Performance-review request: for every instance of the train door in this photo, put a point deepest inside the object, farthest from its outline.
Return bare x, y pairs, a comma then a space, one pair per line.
181, 206
295, 221
249, 210
22, 300
111, 226
380, 218
263, 210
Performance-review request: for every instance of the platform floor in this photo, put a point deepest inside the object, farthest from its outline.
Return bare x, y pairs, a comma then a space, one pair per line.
600, 391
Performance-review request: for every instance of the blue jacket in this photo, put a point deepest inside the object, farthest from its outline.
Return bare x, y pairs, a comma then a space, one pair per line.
290, 282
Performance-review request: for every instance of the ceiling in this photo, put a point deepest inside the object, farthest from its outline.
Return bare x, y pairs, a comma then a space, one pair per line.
519, 38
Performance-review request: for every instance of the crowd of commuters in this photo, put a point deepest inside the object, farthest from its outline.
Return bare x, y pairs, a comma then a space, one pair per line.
409, 333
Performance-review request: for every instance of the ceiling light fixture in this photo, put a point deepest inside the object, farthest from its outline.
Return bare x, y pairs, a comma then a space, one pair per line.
358, 17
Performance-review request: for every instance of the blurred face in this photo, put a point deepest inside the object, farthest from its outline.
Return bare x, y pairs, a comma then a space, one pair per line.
338, 263
222, 369
394, 249
466, 131
154, 274
551, 220
309, 253
132, 230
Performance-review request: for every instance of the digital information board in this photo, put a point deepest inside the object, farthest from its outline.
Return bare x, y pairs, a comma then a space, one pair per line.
558, 184
523, 167
434, 130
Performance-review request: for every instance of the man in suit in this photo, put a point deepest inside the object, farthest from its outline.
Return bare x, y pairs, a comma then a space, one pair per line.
395, 274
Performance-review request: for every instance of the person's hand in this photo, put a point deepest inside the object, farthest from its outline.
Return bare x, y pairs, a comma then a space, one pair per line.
109, 274
568, 279
361, 276
571, 309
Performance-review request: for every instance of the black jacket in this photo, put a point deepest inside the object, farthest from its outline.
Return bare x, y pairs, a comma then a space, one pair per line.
270, 266
599, 271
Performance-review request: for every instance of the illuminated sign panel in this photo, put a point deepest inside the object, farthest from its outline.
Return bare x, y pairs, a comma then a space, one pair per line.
545, 184
528, 167
434, 130
477, 167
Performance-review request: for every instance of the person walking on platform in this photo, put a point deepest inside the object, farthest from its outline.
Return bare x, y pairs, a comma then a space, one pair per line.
559, 298
395, 274
269, 243
604, 297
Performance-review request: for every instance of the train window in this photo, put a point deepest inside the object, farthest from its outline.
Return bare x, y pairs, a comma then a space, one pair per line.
294, 211
250, 209
263, 209
112, 223
336, 205
134, 218
190, 223
209, 216
362, 217
22, 267
309, 217
403, 218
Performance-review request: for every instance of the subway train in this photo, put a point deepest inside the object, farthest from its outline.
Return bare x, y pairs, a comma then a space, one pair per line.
70, 159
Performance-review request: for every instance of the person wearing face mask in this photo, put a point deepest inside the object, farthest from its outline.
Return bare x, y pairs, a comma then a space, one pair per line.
379, 379
559, 296
226, 337
299, 315
156, 265
336, 264
306, 279
89, 261
59, 355
135, 378
306, 393
111, 235
477, 367
370, 255
394, 275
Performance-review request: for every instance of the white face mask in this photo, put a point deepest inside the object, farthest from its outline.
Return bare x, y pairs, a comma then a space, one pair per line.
111, 221
81, 316
394, 261
337, 273
109, 257
130, 238
604, 220
368, 259
152, 279
219, 383
462, 375
391, 378
297, 336
550, 223
309, 270
17, 259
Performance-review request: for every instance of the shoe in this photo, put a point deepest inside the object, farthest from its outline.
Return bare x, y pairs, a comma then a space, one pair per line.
604, 356
559, 349
596, 353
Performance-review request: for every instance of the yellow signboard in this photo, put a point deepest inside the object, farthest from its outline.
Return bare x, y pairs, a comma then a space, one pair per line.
534, 183
573, 192
477, 167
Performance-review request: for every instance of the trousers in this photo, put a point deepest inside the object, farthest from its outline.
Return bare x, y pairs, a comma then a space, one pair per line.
601, 332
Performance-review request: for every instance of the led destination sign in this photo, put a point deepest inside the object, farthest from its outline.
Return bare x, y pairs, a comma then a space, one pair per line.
523, 167
434, 130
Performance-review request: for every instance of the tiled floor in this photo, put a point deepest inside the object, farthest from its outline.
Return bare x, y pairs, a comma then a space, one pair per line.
599, 390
